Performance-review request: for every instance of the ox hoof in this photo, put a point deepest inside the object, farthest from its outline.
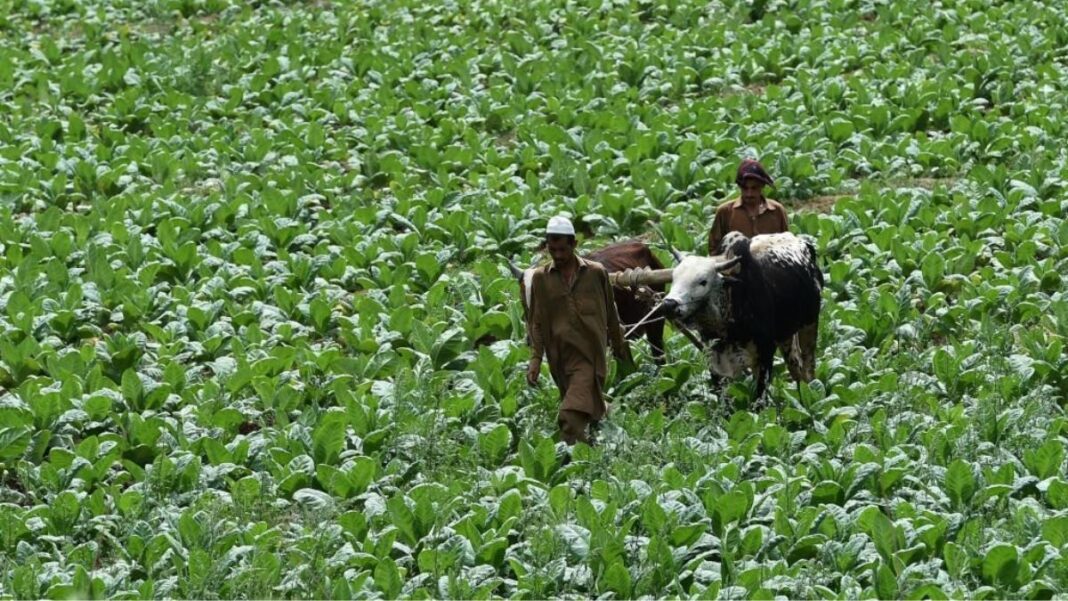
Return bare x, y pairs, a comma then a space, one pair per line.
760, 404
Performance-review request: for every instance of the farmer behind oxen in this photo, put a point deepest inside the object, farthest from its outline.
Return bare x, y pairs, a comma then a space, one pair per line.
751, 213
572, 317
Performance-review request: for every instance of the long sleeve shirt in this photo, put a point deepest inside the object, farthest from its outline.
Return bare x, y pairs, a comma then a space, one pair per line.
732, 217
579, 318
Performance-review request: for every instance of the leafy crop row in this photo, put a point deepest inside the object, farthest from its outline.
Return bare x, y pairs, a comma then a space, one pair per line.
257, 340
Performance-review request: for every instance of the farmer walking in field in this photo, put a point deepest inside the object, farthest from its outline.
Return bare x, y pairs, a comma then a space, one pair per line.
572, 318
750, 213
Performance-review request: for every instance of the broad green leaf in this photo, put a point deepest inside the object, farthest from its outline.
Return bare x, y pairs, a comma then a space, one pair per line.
199, 566
333, 481
1055, 530
910, 555
403, 519
132, 389
1023, 365
960, 483
362, 474
684, 536
130, 503
886, 582
1046, 460
839, 129
933, 268
928, 591
228, 419
945, 366
215, 451
354, 523
314, 499
886, 536
577, 540
752, 541
190, 529
560, 499
493, 552
341, 589
616, 579
97, 406
494, 443
545, 458
13, 442
65, 509
1001, 564
432, 561
510, 505
448, 346
654, 518
388, 578
827, 492
1057, 494
424, 511
246, 490
24, 582
328, 439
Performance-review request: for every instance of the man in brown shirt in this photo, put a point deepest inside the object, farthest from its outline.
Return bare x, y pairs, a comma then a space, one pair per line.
750, 213
572, 317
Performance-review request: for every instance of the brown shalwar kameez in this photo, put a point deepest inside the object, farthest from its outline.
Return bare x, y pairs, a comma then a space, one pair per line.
732, 217
572, 326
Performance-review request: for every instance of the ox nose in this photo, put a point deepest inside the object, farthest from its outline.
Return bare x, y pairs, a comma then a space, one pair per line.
669, 307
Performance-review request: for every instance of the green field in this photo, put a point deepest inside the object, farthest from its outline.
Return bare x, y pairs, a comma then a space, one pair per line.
258, 339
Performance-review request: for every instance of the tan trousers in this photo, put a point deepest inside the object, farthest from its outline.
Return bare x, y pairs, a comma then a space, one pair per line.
581, 404
573, 426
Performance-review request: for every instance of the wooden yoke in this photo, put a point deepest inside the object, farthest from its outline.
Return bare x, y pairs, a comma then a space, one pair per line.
639, 277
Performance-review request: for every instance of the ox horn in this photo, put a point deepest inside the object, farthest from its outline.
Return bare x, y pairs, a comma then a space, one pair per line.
516, 272
724, 266
640, 277
674, 253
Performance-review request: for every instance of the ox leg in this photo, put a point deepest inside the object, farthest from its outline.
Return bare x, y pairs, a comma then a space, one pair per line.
724, 406
715, 376
806, 341
765, 357
714, 381
791, 354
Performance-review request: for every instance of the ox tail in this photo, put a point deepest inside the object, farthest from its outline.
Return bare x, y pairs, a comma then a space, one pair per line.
815, 264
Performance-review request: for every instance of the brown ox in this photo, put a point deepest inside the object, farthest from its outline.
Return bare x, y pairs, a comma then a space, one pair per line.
632, 254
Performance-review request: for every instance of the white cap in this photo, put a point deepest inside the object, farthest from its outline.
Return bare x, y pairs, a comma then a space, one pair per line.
560, 225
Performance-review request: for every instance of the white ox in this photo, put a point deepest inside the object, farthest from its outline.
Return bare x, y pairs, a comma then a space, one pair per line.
759, 294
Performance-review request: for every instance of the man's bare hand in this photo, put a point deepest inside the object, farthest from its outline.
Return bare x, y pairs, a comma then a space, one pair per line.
645, 295
533, 371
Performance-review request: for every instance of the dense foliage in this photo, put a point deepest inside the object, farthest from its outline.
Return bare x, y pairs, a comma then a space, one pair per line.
258, 340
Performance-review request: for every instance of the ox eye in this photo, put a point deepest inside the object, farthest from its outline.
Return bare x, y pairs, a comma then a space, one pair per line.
703, 283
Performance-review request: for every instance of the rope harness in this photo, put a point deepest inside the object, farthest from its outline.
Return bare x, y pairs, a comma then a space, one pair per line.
647, 294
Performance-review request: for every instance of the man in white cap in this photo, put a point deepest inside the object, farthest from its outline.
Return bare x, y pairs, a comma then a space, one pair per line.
572, 318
